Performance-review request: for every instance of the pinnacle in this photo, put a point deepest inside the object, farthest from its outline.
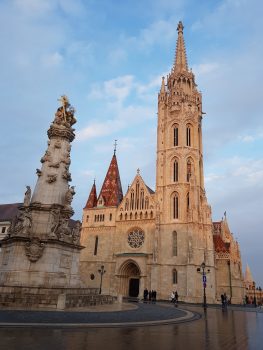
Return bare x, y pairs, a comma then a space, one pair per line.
180, 62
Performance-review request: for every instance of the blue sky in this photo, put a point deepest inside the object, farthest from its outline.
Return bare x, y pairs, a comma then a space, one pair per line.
108, 58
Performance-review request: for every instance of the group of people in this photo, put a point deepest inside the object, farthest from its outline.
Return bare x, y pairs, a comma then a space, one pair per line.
174, 298
149, 296
224, 300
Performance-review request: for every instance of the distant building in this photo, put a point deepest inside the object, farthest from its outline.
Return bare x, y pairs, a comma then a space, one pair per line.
253, 292
158, 239
7, 213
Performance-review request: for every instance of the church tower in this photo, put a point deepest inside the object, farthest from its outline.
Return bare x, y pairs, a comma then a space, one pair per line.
185, 230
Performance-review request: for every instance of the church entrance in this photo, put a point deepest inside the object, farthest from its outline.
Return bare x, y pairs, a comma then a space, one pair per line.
129, 275
134, 287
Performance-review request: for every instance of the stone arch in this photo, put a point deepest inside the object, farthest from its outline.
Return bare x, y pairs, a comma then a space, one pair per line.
129, 278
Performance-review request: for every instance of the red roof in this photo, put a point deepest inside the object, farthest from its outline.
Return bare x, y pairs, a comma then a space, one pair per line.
111, 190
217, 227
220, 245
92, 200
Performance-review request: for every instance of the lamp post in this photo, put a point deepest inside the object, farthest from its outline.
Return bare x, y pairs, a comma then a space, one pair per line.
255, 300
101, 272
203, 273
260, 300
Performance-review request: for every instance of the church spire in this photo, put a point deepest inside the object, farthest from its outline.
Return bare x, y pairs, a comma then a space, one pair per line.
92, 200
111, 191
180, 62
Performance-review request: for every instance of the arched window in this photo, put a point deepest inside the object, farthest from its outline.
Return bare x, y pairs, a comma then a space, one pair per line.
187, 201
87, 219
127, 204
174, 276
175, 206
188, 135
146, 203
175, 171
175, 136
121, 216
188, 170
174, 243
142, 199
96, 245
110, 216
132, 200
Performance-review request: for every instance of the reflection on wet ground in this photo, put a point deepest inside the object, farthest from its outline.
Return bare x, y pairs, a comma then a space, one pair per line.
216, 329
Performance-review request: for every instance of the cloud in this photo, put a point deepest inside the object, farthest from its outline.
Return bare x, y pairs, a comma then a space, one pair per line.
52, 59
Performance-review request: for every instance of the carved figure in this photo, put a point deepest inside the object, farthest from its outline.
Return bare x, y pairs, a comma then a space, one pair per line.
76, 232
27, 196
63, 228
38, 172
69, 195
34, 249
57, 144
54, 165
27, 222
51, 178
46, 157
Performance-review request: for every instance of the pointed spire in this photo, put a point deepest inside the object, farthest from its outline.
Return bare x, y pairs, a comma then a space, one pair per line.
92, 200
248, 275
180, 62
111, 190
162, 86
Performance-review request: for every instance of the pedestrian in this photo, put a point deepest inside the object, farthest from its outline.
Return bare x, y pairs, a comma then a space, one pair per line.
172, 297
150, 296
225, 300
176, 298
145, 295
222, 300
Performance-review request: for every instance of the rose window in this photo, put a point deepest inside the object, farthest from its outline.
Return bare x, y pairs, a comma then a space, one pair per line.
136, 238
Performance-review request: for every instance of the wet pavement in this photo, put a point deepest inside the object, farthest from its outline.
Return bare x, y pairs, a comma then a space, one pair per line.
234, 328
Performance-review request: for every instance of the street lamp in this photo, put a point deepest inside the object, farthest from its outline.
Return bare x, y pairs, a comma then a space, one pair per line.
255, 298
101, 272
203, 273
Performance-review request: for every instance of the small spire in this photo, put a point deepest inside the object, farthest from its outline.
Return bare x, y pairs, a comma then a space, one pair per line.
163, 85
138, 171
180, 62
115, 146
92, 200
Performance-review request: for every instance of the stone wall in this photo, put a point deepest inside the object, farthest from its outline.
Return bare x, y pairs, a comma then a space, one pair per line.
52, 298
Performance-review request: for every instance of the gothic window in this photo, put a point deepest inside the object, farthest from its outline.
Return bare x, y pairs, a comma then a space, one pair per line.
174, 243
126, 216
175, 206
87, 219
174, 276
175, 136
132, 200
127, 204
187, 201
110, 216
188, 135
142, 199
96, 245
188, 170
146, 203
175, 171
121, 216
137, 195
136, 238
95, 218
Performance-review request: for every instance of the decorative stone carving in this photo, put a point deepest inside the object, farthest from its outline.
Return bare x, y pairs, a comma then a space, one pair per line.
57, 144
76, 233
65, 114
66, 159
51, 178
66, 175
69, 195
46, 157
136, 238
27, 196
34, 249
63, 229
54, 165
38, 172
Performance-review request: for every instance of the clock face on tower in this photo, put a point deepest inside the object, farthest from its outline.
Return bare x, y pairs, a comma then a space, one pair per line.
135, 238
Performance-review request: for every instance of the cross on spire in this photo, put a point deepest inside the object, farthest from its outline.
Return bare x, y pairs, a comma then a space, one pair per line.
115, 146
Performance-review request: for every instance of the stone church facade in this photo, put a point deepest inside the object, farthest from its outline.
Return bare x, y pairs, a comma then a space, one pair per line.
158, 239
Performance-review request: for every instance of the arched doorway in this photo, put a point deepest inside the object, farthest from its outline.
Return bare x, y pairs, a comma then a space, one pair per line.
129, 274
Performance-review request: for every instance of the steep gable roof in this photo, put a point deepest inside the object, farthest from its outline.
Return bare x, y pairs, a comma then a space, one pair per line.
111, 191
92, 200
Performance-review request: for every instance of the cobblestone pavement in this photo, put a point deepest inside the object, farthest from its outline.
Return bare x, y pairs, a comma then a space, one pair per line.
235, 328
139, 313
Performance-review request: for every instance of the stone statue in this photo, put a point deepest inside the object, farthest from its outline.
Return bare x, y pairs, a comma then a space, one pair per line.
27, 222
76, 233
69, 195
27, 196
46, 157
65, 114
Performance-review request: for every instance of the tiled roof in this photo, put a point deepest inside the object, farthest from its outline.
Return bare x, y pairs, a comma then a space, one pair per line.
9, 211
217, 227
150, 190
111, 190
92, 200
220, 245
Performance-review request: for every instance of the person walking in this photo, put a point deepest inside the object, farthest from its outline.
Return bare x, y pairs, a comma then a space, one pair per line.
145, 295
176, 298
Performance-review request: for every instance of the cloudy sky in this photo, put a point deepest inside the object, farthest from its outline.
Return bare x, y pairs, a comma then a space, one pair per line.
108, 56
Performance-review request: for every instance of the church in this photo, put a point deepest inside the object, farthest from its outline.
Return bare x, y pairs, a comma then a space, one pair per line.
158, 239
